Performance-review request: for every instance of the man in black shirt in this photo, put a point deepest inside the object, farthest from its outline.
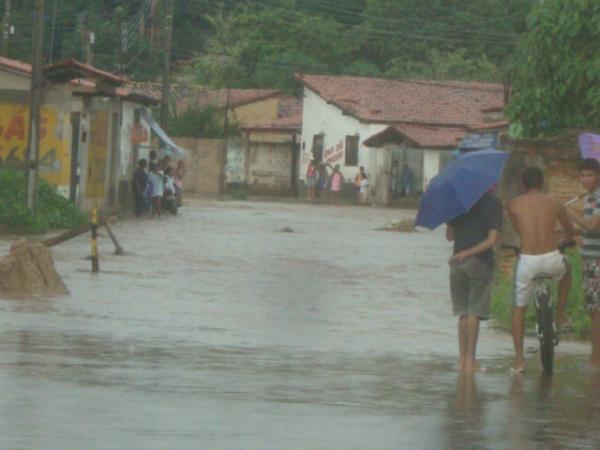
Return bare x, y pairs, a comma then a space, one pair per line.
475, 234
140, 182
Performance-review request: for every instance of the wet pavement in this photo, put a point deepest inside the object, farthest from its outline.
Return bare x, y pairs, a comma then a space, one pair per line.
219, 331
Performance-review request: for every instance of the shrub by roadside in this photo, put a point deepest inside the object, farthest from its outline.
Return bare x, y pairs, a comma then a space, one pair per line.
53, 209
502, 301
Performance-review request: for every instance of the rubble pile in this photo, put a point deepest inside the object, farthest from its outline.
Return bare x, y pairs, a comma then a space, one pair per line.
29, 270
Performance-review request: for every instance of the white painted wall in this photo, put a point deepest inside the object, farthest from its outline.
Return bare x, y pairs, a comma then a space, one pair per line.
321, 117
431, 166
128, 163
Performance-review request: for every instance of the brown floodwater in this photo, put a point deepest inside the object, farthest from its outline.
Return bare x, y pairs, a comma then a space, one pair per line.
218, 331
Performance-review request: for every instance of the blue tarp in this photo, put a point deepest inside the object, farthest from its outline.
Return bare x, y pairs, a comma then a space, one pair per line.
173, 149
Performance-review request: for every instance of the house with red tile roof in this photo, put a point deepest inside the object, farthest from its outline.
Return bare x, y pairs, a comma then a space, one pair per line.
374, 122
91, 133
246, 107
265, 158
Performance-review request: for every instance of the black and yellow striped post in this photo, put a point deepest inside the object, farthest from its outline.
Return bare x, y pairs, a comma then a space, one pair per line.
95, 264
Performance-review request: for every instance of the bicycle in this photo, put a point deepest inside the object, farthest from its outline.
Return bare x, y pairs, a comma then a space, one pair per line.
542, 299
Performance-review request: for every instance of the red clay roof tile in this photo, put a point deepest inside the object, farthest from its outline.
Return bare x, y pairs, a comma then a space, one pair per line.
17, 66
438, 103
420, 135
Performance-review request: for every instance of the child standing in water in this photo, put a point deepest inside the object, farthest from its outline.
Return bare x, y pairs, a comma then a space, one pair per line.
178, 174
364, 190
311, 179
156, 183
169, 201
336, 183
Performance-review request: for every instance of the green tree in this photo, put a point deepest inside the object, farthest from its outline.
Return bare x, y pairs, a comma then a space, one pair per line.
446, 66
202, 122
261, 43
557, 83
265, 46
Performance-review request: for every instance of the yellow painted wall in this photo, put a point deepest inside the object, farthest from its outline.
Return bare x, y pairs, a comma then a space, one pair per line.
97, 156
55, 151
256, 136
255, 113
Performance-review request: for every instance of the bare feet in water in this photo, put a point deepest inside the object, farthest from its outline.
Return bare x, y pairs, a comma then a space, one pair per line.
472, 367
519, 366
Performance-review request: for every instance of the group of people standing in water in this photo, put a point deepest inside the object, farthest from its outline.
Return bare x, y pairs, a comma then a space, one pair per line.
157, 186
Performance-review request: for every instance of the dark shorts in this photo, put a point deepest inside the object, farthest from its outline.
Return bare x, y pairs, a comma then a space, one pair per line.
471, 288
591, 283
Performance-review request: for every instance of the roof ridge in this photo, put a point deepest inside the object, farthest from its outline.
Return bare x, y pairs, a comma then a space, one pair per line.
449, 83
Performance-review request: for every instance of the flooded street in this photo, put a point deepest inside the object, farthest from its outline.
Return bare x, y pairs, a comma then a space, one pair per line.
219, 331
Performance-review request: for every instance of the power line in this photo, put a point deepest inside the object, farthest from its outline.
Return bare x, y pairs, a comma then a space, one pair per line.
411, 31
413, 20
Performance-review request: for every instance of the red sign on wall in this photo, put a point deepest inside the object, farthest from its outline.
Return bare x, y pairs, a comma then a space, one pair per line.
139, 134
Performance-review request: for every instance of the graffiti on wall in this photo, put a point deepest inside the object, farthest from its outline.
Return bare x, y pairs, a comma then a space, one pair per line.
97, 155
333, 154
54, 155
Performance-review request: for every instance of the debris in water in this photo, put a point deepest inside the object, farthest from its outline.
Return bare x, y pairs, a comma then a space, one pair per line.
286, 230
403, 226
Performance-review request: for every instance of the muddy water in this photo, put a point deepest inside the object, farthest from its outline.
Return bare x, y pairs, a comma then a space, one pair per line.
219, 331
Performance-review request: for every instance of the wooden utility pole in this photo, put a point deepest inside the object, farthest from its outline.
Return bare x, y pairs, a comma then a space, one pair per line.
6, 28
153, 22
86, 40
122, 48
166, 79
52, 33
35, 105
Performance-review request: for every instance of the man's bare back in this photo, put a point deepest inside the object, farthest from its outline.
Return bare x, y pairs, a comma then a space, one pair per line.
535, 215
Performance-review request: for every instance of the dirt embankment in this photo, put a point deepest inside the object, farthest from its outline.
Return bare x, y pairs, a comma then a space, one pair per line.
29, 270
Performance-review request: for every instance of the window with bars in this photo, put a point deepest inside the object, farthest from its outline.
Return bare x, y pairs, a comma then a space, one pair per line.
317, 149
351, 151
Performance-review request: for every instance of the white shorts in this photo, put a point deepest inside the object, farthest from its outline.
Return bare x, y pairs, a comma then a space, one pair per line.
551, 264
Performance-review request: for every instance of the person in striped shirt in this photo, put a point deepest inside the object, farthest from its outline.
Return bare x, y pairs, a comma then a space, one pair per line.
589, 223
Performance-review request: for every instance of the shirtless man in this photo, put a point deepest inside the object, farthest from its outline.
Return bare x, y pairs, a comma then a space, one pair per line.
534, 216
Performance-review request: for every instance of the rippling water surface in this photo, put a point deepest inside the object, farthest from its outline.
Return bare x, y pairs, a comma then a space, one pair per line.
219, 331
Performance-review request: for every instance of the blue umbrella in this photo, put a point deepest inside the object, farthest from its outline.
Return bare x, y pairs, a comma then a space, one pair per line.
459, 185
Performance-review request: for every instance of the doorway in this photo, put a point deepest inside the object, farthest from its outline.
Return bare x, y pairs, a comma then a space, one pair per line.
74, 182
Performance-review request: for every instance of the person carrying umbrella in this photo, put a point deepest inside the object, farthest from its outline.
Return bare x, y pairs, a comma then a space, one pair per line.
461, 197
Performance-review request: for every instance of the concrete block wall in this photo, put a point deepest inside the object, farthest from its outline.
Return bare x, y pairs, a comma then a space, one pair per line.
204, 164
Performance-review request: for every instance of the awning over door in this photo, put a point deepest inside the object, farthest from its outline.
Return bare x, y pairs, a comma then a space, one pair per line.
171, 148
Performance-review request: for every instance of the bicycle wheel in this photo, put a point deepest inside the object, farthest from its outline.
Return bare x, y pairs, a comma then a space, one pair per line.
545, 331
